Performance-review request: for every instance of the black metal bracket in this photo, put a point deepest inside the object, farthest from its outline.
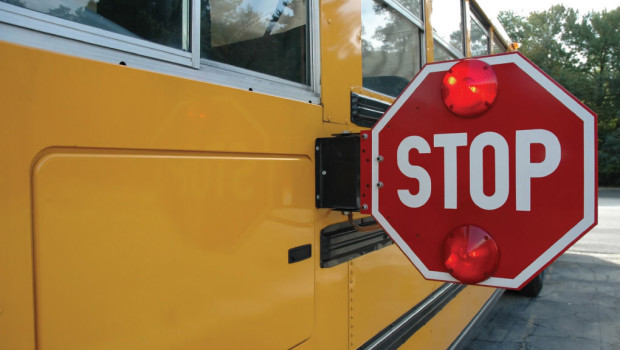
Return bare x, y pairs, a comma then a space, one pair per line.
366, 111
337, 172
345, 241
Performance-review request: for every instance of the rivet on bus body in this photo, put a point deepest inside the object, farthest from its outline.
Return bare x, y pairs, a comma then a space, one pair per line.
380, 159
380, 184
364, 207
324, 172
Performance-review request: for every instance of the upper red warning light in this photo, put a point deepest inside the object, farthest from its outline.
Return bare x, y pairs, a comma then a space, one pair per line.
469, 88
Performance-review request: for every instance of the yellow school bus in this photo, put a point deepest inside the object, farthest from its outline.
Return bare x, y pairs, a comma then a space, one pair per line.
158, 165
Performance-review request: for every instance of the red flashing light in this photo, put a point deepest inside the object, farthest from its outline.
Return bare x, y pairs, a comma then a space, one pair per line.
470, 254
469, 88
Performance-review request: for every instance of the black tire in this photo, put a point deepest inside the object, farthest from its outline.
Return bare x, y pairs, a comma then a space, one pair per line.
532, 289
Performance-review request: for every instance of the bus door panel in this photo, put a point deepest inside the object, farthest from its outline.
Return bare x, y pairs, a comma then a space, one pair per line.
167, 250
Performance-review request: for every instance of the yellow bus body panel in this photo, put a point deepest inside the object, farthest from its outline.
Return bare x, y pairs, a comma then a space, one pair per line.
171, 263
383, 286
341, 57
158, 204
146, 211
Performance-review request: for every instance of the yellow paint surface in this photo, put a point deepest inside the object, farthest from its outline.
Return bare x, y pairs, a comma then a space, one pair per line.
163, 209
139, 210
443, 329
383, 286
158, 251
341, 60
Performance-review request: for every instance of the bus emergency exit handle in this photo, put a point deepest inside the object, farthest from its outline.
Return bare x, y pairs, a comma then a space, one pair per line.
300, 253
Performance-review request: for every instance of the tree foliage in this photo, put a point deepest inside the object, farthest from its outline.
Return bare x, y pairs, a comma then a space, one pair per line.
581, 52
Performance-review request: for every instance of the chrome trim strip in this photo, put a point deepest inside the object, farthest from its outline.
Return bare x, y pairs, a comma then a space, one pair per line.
254, 76
185, 26
418, 316
314, 24
195, 34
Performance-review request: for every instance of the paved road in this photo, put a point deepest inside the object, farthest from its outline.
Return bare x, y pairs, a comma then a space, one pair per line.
605, 238
579, 306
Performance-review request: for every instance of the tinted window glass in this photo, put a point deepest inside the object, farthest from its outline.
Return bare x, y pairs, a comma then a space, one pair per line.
266, 36
391, 53
414, 6
447, 22
479, 40
497, 46
159, 21
441, 53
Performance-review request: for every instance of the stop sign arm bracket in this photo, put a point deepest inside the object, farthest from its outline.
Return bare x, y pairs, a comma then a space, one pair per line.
337, 172
365, 172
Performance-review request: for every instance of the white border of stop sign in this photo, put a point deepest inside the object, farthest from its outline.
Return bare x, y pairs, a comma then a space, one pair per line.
589, 170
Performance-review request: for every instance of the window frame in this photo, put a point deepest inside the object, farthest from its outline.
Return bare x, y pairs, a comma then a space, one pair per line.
27, 27
30, 19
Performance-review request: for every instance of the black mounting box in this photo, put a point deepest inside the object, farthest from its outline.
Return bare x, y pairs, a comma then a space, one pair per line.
338, 172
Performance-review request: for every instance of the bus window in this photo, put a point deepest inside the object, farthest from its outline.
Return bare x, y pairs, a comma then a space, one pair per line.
413, 6
391, 53
447, 21
159, 21
497, 46
441, 53
263, 36
479, 37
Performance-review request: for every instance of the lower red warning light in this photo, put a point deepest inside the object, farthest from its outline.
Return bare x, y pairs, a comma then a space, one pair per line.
470, 254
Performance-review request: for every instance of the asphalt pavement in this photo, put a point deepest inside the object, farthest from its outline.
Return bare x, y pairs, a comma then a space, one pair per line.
579, 305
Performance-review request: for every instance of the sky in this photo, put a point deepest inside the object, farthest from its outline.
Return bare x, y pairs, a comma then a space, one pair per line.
523, 7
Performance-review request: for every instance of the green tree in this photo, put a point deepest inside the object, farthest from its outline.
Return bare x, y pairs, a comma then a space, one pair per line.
583, 54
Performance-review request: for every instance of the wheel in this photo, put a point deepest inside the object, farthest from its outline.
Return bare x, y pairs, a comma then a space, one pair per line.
532, 289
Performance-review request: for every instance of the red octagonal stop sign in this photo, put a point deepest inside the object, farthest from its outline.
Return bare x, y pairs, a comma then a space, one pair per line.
483, 171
